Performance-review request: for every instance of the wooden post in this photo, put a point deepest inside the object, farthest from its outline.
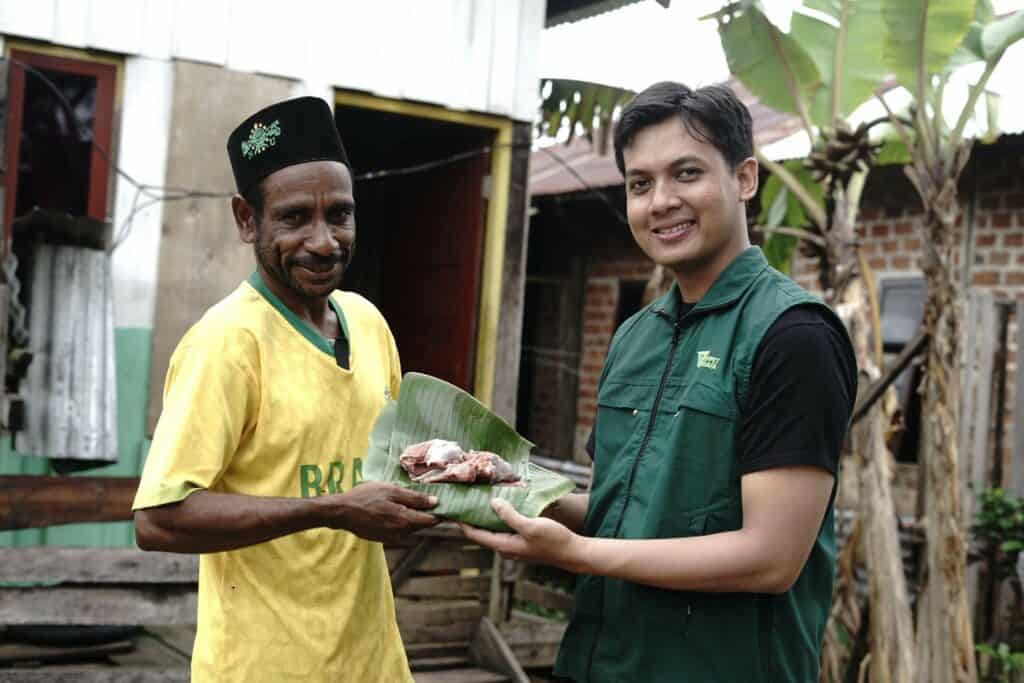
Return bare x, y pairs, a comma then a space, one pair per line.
1016, 476
28, 501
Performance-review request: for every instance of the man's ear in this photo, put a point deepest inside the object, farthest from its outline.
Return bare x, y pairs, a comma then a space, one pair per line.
746, 174
245, 219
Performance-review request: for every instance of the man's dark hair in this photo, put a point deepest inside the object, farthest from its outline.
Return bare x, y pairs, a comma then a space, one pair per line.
712, 114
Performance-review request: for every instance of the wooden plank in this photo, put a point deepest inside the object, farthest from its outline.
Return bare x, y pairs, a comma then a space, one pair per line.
529, 591
457, 661
446, 556
490, 650
436, 649
18, 654
510, 318
534, 640
410, 561
28, 502
149, 662
83, 675
414, 613
523, 631
47, 564
468, 675
180, 639
453, 586
877, 389
976, 392
143, 606
1016, 477
415, 635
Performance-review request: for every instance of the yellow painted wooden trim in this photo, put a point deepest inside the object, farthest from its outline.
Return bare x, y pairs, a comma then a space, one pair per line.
424, 111
493, 266
74, 53
489, 307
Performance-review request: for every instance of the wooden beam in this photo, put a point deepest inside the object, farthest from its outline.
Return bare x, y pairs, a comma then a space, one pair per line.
410, 561
529, 591
121, 606
29, 502
877, 389
490, 650
48, 564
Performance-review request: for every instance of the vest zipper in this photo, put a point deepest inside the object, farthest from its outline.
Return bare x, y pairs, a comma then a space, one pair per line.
650, 426
632, 475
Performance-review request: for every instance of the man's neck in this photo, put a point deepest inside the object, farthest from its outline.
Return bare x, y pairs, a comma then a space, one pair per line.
695, 280
315, 311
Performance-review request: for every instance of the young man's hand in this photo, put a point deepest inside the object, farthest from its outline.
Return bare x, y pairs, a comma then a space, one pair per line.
379, 512
535, 540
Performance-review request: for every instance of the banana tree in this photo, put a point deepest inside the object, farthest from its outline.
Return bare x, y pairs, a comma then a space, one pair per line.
925, 42
822, 70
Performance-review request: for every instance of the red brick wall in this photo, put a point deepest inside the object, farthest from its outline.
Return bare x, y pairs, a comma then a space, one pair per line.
547, 361
600, 306
892, 243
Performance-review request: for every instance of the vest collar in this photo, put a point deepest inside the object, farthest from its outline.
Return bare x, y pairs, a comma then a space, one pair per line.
725, 290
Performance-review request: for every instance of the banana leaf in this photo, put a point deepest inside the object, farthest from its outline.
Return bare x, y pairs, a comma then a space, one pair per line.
429, 408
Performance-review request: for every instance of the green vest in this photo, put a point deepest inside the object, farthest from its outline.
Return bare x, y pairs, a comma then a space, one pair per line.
665, 467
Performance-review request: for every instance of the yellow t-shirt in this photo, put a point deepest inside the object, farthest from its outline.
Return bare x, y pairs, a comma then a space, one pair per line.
253, 406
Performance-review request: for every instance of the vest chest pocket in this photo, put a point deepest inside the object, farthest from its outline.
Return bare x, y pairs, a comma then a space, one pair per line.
709, 400
623, 412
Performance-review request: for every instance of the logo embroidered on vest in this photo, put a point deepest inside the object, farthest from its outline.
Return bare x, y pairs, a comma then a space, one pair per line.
706, 360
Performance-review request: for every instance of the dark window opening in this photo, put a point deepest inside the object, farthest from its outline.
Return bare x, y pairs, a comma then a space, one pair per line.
56, 143
631, 300
901, 301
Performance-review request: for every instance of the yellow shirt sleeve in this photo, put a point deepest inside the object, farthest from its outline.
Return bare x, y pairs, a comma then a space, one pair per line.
211, 397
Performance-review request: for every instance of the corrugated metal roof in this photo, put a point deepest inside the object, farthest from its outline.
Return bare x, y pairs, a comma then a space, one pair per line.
568, 11
549, 176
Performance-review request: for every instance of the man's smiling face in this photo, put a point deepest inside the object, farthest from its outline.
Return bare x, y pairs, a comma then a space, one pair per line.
684, 203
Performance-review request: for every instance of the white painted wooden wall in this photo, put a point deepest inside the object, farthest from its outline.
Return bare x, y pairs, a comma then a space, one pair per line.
478, 55
464, 54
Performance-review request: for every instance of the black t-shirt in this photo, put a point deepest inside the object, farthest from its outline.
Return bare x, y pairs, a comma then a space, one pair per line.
802, 387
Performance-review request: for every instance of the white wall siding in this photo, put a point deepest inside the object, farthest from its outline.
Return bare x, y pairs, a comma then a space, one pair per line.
142, 153
465, 54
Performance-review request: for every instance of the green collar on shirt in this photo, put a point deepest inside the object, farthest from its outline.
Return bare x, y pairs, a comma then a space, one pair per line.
300, 325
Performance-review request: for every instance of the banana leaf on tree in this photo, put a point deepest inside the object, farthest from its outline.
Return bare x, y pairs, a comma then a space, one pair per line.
430, 408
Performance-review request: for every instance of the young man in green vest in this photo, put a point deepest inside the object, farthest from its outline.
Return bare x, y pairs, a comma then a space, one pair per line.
706, 545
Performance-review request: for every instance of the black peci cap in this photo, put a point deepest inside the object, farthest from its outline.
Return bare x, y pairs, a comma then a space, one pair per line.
283, 134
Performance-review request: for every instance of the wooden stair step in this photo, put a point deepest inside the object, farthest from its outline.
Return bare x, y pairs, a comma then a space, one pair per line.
439, 649
440, 663
464, 675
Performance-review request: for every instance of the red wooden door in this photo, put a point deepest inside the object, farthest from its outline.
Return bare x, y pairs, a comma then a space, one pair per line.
432, 279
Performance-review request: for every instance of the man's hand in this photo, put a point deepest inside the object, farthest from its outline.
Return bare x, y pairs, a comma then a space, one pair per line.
379, 512
535, 540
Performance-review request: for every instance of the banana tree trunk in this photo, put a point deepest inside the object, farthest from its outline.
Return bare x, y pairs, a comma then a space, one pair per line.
891, 641
945, 641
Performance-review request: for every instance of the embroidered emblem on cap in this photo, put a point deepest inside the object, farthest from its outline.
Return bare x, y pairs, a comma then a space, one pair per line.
260, 138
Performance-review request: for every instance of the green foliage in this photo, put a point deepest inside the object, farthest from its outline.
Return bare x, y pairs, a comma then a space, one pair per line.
781, 208
1003, 663
999, 526
429, 408
772, 64
923, 35
579, 104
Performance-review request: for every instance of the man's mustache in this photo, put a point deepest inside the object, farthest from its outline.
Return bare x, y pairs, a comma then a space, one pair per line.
320, 261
